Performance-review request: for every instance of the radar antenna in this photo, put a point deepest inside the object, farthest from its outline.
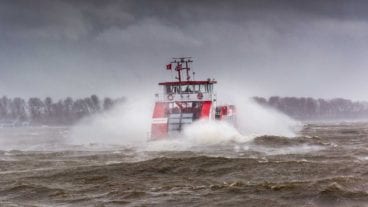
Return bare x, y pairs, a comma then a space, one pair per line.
181, 64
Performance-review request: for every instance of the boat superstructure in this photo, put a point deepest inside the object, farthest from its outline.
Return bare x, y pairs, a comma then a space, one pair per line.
184, 101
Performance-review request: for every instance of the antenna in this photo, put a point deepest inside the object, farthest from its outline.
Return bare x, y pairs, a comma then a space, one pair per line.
181, 64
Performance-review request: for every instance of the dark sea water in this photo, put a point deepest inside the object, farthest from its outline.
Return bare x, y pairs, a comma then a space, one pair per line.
326, 165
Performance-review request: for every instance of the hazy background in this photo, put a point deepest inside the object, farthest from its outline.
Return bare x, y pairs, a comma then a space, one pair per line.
109, 48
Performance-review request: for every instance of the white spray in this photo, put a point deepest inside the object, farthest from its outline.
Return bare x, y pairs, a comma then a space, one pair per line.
126, 124
129, 124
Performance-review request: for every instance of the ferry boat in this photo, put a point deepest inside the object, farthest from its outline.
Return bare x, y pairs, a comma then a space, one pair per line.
184, 101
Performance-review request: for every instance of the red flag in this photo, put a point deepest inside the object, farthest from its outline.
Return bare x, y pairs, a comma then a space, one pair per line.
178, 67
168, 66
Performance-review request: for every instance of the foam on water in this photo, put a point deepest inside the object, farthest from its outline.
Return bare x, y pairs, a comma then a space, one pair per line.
300, 149
205, 132
200, 134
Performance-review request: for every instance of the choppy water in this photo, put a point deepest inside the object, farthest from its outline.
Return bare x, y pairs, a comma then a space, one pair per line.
327, 165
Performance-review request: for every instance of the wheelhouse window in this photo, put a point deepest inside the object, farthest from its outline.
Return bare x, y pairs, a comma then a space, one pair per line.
172, 89
189, 88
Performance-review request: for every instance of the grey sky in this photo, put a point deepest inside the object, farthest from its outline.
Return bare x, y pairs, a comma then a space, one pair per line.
288, 48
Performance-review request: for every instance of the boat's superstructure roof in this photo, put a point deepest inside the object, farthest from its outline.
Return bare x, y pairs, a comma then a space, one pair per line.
174, 83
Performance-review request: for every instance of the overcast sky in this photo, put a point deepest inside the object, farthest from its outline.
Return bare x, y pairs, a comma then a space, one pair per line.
110, 48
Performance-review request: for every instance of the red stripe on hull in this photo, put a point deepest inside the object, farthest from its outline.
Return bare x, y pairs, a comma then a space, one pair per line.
160, 110
159, 130
206, 109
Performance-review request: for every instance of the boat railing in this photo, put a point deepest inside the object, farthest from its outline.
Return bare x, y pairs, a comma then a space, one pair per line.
185, 97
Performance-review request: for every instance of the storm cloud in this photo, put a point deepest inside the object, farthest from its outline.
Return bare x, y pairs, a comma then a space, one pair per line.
116, 48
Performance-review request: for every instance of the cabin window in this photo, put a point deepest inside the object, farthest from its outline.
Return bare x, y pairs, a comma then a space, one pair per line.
172, 89
168, 89
203, 88
210, 88
187, 88
196, 88
176, 89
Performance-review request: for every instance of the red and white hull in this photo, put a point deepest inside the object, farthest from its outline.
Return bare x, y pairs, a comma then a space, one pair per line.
184, 102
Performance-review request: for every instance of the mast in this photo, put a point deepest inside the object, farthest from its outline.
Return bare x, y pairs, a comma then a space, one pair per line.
182, 63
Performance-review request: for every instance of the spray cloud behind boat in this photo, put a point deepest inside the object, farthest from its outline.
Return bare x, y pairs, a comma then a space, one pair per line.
201, 123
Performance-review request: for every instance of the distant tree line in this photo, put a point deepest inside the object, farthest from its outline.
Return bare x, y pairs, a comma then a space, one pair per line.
35, 111
317, 109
